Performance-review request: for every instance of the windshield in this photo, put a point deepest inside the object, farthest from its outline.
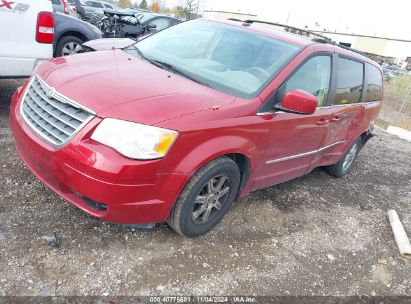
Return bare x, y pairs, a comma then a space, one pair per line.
223, 57
145, 16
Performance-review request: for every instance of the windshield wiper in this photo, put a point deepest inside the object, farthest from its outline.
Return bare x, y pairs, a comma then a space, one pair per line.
167, 66
178, 71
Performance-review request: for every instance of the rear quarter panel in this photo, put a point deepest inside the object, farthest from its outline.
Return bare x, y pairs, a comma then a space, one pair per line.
65, 24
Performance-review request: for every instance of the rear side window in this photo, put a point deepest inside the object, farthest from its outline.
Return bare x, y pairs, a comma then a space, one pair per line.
373, 91
350, 75
312, 77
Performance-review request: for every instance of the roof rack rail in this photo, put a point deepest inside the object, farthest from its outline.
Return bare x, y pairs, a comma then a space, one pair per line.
351, 49
235, 19
295, 30
292, 29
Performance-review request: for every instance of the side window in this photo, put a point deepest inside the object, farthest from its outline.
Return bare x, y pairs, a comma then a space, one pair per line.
108, 6
350, 75
160, 23
57, 2
312, 77
89, 3
373, 92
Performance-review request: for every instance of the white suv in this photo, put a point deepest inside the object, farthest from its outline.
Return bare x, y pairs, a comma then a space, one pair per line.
26, 35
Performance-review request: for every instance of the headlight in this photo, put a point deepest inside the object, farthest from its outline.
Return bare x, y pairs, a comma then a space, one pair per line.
134, 140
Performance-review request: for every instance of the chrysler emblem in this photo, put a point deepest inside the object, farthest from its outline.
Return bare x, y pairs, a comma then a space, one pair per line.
50, 92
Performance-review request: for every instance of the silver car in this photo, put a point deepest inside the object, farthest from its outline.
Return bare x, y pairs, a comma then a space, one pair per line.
92, 6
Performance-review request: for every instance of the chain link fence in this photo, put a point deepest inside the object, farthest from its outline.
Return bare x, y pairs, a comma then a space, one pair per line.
396, 109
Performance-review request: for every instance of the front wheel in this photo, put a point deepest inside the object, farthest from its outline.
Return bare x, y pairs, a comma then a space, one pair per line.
346, 163
206, 198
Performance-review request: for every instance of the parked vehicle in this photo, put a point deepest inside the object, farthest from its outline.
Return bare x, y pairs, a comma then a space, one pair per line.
392, 71
92, 6
78, 7
107, 44
26, 31
62, 6
126, 23
71, 33
178, 125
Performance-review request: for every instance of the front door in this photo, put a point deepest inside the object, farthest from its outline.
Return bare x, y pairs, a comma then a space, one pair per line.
295, 139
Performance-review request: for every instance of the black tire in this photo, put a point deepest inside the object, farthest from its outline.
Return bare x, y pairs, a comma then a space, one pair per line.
63, 42
346, 163
186, 217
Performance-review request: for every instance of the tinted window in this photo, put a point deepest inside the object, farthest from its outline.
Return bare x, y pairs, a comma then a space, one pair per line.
55, 1
374, 86
108, 6
313, 77
350, 75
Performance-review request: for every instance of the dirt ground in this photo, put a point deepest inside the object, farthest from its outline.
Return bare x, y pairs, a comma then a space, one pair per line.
316, 235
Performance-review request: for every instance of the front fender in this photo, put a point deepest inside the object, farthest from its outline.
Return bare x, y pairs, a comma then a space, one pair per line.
213, 148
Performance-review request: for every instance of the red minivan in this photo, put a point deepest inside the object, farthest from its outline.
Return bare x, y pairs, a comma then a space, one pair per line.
178, 125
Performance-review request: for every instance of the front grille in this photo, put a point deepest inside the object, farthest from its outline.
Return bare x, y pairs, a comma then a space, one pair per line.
50, 114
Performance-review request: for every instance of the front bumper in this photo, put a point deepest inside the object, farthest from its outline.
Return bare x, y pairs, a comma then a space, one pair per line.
134, 192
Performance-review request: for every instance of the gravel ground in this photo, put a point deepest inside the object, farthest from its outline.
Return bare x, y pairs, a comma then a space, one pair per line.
316, 235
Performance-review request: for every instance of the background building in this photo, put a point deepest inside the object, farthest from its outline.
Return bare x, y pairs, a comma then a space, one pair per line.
397, 49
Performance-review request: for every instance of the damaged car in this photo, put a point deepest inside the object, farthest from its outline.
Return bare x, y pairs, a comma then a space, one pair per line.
179, 125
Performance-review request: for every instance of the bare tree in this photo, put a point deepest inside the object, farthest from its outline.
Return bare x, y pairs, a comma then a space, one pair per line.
191, 8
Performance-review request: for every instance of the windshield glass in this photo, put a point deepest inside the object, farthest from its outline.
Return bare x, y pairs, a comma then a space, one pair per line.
145, 16
224, 57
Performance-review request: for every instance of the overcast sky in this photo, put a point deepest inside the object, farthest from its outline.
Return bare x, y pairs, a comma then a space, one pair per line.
393, 19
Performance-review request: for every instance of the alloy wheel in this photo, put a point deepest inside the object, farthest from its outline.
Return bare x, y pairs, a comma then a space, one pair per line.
71, 48
210, 199
350, 157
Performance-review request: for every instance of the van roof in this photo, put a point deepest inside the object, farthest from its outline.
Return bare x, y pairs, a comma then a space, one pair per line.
295, 36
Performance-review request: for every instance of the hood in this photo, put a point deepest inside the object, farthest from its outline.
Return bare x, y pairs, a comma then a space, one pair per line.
109, 43
115, 84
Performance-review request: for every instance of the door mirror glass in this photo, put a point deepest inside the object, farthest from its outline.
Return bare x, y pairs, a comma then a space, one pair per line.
298, 102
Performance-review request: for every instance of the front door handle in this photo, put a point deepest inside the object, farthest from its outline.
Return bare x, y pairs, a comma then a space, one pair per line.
322, 122
335, 118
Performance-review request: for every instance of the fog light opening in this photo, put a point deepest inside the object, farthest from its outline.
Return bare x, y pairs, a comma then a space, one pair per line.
94, 205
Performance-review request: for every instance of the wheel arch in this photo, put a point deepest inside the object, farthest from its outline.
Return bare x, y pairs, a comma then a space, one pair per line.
243, 164
77, 34
239, 149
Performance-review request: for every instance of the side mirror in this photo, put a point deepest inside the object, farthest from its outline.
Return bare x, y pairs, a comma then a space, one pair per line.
151, 26
298, 102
